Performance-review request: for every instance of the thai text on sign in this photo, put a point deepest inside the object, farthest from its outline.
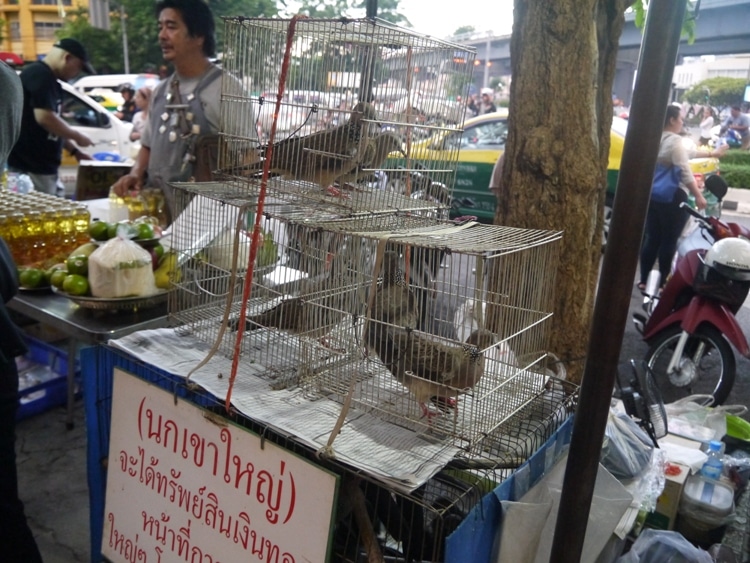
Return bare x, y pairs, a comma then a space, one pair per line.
186, 485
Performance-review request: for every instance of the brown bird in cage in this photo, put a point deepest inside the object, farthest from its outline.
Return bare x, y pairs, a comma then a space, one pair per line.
377, 150
438, 372
395, 308
322, 157
314, 311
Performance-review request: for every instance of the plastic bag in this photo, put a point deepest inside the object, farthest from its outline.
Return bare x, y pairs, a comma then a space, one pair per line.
627, 450
689, 418
662, 546
121, 268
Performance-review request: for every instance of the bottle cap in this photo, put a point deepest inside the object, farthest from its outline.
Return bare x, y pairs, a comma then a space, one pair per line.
714, 445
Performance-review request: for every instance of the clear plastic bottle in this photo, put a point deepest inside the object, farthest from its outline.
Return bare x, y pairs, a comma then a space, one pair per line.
714, 465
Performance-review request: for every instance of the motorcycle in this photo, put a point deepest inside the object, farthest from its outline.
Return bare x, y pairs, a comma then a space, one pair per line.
708, 230
721, 136
692, 325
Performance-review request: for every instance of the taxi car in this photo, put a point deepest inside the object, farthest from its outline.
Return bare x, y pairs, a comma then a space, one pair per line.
481, 143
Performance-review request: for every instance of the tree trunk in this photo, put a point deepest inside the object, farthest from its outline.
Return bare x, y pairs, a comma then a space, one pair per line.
563, 59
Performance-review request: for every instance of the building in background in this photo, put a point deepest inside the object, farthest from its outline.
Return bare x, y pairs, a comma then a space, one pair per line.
695, 69
29, 27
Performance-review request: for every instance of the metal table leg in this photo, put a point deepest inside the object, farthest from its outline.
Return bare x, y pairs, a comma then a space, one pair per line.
69, 424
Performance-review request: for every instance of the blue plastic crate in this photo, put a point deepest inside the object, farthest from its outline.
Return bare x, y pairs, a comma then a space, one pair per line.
48, 355
52, 392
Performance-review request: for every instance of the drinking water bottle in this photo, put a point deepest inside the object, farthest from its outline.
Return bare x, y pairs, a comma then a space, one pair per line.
714, 465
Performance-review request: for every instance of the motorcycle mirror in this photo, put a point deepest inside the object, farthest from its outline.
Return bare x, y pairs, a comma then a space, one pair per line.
717, 186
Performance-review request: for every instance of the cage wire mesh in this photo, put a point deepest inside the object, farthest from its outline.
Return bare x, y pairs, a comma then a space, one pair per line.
307, 284
421, 351
372, 517
362, 103
432, 364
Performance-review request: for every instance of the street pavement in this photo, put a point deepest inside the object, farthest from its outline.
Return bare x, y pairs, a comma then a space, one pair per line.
52, 459
738, 201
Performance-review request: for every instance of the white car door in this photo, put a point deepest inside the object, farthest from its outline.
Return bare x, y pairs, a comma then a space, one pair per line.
108, 133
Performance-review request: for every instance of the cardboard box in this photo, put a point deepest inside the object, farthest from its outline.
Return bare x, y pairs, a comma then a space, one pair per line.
95, 177
664, 515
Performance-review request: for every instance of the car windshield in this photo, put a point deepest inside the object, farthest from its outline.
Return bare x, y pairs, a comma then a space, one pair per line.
492, 134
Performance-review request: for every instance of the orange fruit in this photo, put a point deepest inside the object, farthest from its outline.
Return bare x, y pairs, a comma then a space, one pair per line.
57, 278
99, 230
78, 265
75, 284
31, 278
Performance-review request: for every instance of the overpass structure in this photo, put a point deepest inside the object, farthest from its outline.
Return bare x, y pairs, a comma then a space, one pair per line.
721, 29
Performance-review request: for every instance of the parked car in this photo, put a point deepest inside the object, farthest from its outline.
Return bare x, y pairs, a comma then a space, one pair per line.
481, 143
109, 134
113, 81
109, 99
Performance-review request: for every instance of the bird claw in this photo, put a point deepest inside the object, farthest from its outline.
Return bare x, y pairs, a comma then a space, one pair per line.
335, 192
426, 412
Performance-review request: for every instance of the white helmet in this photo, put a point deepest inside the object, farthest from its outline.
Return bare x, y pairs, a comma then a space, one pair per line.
731, 258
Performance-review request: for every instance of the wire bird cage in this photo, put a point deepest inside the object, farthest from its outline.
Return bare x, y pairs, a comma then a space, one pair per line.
307, 285
365, 109
432, 364
319, 317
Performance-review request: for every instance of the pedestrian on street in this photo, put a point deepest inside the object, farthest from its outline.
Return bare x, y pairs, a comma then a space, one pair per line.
44, 133
128, 108
666, 219
142, 101
486, 104
707, 123
740, 123
184, 106
17, 544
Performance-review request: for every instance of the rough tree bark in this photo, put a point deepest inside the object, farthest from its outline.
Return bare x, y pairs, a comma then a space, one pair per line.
563, 57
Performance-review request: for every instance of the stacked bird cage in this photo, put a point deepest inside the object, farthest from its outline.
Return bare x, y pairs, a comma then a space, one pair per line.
306, 285
354, 107
319, 120
445, 353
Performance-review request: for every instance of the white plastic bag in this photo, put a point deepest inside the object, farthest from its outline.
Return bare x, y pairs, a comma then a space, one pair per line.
121, 268
689, 417
658, 546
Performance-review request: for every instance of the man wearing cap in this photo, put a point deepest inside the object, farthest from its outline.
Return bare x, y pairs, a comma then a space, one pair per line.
486, 105
38, 151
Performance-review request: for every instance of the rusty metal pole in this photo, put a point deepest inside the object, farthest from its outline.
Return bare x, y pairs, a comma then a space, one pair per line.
646, 122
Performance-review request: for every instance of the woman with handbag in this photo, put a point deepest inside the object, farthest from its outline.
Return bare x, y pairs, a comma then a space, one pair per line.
673, 181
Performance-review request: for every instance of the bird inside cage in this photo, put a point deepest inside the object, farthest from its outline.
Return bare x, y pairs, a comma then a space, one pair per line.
376, 152
320, 305
435, 372
323, 157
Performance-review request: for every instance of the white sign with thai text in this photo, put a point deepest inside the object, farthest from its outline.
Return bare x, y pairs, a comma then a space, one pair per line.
186, 485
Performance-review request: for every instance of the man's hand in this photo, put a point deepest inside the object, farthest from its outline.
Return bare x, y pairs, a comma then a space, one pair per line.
82, 140
126, 184
700, 202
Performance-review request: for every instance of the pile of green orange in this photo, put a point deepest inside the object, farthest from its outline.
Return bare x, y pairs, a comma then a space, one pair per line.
69, 276
143, 228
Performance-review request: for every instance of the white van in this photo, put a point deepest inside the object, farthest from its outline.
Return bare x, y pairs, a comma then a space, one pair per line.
113, 81
108, 133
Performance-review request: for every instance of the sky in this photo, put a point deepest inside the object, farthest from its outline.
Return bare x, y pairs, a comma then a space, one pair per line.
440, 18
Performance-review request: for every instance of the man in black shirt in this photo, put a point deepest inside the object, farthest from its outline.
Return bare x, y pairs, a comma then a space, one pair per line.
38, 151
